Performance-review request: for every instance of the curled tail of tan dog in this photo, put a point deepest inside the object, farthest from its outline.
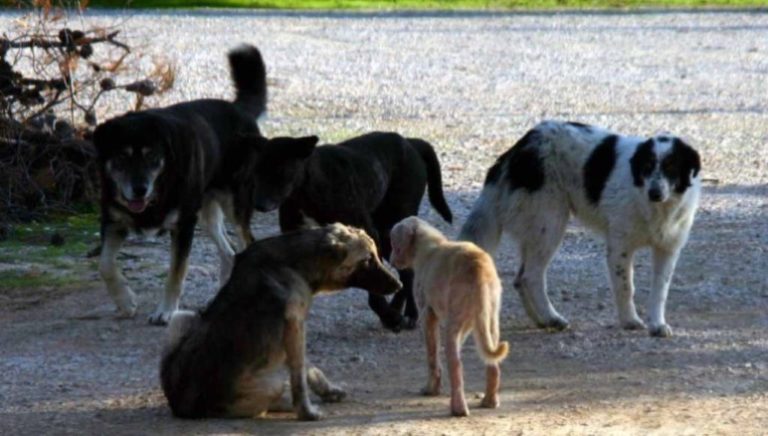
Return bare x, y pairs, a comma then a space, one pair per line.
486, 332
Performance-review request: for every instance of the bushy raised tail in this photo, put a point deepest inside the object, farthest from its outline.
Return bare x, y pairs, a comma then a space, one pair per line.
434, 177
250, 77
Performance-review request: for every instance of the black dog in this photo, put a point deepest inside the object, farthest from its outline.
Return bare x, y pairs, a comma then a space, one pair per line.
161, 167
227, 361
371, 181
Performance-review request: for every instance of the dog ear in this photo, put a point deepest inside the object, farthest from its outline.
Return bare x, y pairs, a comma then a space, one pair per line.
304, 146
689, 164
252, 142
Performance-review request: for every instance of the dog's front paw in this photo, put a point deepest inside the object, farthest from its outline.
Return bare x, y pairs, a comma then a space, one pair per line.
409, 323
309, 413
490, 402
126, 304
660, 331
460, 411
160, 317
393, 322
633, 324
334, 395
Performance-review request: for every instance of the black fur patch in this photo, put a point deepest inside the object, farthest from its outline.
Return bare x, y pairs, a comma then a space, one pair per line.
643, 162
598, 168
523, 165
680, 165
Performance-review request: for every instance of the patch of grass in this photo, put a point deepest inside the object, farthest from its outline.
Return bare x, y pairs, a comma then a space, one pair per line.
422, 4
26, 278
29, 260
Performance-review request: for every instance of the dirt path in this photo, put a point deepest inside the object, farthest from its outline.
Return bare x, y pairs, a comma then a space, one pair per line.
68, 367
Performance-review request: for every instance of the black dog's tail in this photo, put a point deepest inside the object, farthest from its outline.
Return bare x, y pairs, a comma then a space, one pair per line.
250, 77
434, 178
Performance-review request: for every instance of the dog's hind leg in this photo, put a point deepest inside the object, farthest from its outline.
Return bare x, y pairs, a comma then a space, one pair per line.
179, 325
181, 243
431, 337
538, 242
213, 219
663, 267
112, 237
257, 393
320, 385
619, 258
453, 340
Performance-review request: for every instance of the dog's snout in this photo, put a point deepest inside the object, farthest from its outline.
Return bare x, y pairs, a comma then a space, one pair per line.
139, 190
655, 195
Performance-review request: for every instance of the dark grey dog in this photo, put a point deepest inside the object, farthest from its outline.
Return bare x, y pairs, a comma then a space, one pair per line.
228, 360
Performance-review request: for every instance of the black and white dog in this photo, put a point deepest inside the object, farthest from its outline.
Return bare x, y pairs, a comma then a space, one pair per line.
162, 168
636, 192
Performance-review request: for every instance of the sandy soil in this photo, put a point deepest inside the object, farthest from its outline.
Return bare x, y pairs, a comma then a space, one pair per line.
69, 367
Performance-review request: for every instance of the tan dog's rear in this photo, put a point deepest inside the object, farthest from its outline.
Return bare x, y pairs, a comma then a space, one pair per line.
456, 282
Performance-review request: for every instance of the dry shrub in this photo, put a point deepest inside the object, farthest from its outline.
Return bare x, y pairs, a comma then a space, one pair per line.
53, 80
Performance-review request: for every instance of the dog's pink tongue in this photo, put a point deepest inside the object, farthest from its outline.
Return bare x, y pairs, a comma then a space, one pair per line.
137, 205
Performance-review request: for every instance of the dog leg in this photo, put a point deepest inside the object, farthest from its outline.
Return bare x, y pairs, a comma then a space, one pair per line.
492, 385
213, 218
389, 318
663, 267
295, 347
181, 243
112, 237
454, 339
537, 247
431, 338
620, 272
320, 385
531, 283
405, 298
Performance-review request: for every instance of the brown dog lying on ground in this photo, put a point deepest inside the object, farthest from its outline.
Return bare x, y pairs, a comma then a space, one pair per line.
228, 360
455, 282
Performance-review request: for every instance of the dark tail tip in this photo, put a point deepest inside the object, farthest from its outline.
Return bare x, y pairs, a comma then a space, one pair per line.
250, 77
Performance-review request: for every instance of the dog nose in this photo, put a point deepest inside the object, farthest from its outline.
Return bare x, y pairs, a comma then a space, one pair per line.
139, 191
654, 195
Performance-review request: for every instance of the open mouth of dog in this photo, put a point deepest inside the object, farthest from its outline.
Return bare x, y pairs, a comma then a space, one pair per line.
136, 205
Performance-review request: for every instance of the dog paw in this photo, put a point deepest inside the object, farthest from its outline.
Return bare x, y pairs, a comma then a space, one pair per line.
633, 324
556, 324
126, 305
393, 323
660, 331
309, 413
431, 390
460, 411
490, 402
334, 395
160, 318
409, 323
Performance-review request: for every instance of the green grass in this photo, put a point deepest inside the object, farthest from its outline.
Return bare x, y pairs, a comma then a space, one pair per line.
24, 279
424, 4
29, 260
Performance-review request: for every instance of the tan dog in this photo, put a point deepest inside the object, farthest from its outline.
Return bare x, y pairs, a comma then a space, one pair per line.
455, 282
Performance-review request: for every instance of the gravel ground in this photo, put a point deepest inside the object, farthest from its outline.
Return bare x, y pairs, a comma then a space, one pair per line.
471, 83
